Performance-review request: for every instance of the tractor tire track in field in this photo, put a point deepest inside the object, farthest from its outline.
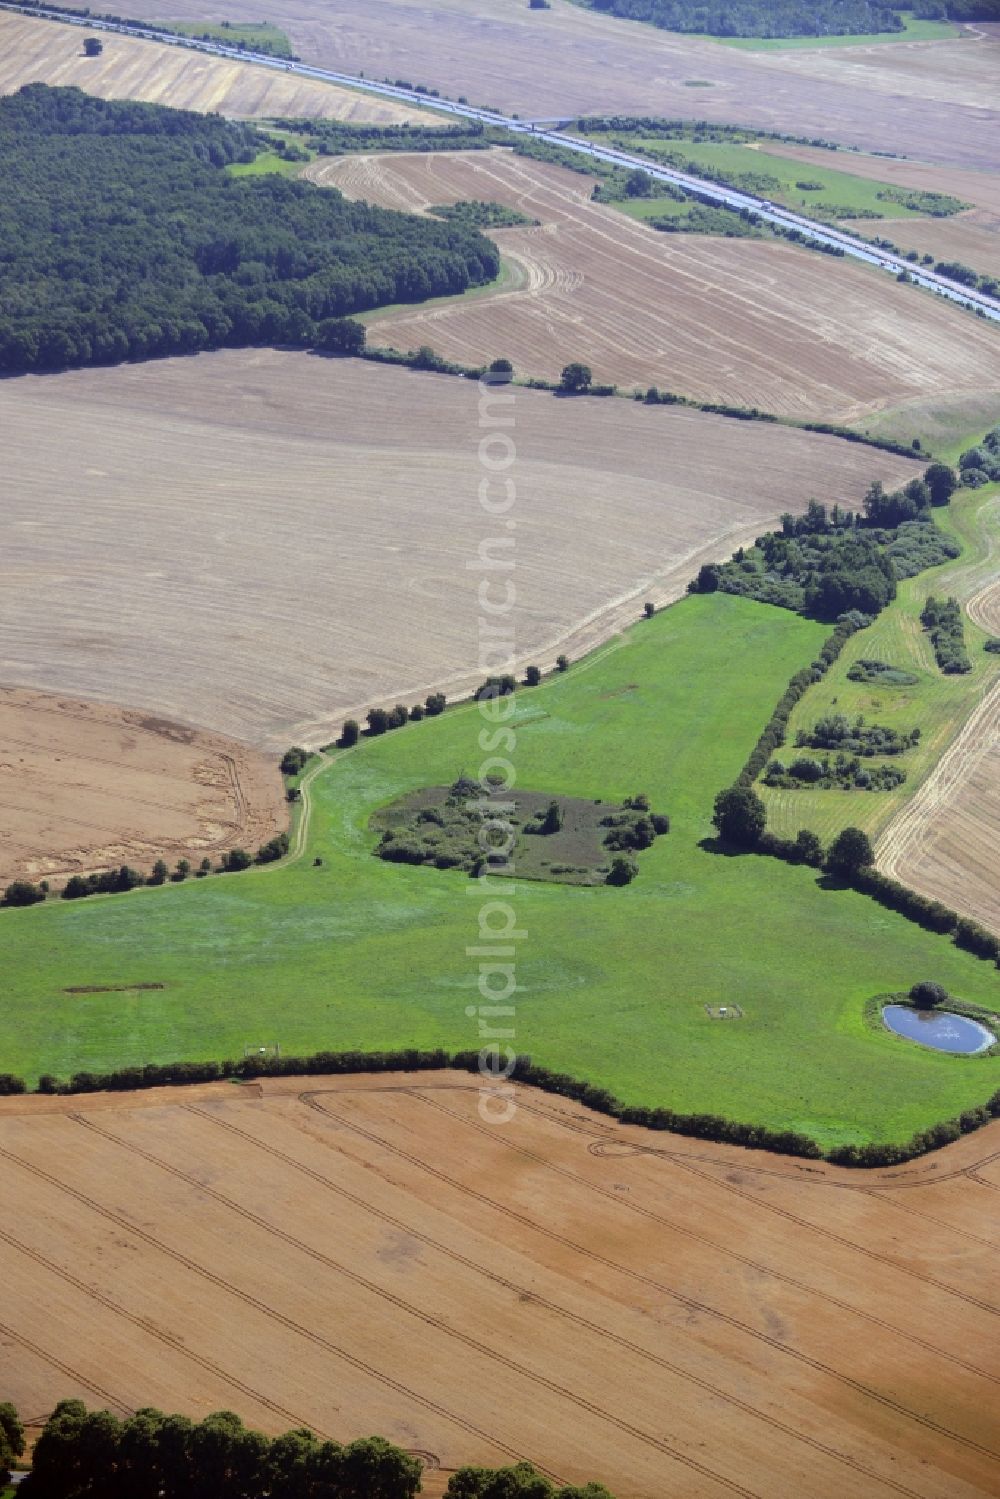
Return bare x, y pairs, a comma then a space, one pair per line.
433, 1322
144, 1326
50, 1358
880, 1193
718, 1248
537, 1299
260, 1306
689, 1302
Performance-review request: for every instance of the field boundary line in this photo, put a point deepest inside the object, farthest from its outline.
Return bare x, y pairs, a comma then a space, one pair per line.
690, 1302
552, 1306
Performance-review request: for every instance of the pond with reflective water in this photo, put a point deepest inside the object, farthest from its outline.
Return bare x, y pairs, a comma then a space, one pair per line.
938, 1028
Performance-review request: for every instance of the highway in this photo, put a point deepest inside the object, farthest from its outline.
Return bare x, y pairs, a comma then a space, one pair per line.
712, 192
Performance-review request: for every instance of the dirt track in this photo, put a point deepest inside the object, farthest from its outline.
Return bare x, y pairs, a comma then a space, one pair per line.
743, 322
33, 51
86, 786
669, 1316
274, 540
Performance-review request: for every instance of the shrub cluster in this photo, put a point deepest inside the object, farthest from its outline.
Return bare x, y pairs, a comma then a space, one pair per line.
981, 465
942, 619
844, 772
837, 732
882, 672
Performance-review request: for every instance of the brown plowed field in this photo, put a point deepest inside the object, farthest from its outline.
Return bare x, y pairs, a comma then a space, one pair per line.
744, 322
86, 786
48, 52
261, 541
498, 52
668, 1316
944, 842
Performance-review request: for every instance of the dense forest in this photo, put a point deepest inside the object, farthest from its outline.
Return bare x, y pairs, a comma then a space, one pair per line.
122, 236
775, 18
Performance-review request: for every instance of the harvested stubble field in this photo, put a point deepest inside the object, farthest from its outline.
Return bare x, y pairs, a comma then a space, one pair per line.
86, 787
973, 237
579, 61
33, 51
364, 1254
261, 541
744, 322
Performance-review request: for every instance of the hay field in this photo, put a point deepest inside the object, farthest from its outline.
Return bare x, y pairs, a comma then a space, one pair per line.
368, 1255
33, 51
980, 188
944, 841
973, 237
745, 322
260, 542
85, 786
579, 61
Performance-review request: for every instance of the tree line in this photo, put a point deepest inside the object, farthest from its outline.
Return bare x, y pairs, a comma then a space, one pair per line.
779, 18
83, 1454
124, 237
700, 1126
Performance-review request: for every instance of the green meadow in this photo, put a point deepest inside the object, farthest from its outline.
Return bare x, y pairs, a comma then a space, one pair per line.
837, 190
936, 704
913, 31
612, 983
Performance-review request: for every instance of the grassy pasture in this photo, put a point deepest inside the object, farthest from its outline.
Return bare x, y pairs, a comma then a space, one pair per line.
937, 704
257, 36
841, 190
357, 953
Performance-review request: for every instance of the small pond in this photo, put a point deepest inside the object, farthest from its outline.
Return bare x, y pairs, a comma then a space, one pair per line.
938, 1028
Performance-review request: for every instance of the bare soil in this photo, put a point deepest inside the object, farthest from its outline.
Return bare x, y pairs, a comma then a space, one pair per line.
568, 59
366, 1254
273, 540
33, 51
87, 787
742, 322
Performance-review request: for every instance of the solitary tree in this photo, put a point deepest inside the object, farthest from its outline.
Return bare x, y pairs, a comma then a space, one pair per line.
349, 733
740, 816
340, 335
562, 663
941, 482
378, 720
928, 994
532, 676
808, 848
553, 819
649, 609
500, 372
623, 870
575, 378
850, 851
